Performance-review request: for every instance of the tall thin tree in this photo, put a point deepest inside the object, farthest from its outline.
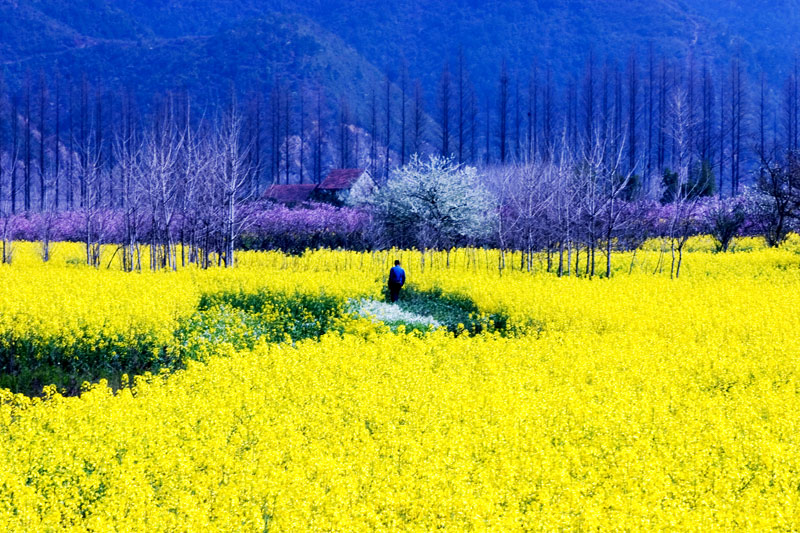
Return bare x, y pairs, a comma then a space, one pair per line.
445, 104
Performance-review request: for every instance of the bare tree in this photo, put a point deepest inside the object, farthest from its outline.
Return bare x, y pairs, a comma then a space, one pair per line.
230, 173
373, 142
301, 118
502, 113
42, 143
777, 202
157, 180
275, 132
28, 149
14, 156
633, 108
524, 194
418, 119
706, 151
737, 116
94, 223
589, 100
3, 147
388, 122
128, 153
344, 134
403, 110
615, 183
590, 173
257, 165
10, 151
533, 109
651, 90
445, 109
318, 137
682, 224
57, 147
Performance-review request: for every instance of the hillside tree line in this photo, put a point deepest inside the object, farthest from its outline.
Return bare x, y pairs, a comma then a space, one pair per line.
587, 159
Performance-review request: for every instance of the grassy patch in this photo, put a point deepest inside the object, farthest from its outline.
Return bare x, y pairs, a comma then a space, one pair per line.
242, 319
27, 364
238, 319
456, 312
393, 316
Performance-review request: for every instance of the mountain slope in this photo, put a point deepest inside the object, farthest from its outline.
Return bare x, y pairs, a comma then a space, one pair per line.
348, 44
560, 32
251, 54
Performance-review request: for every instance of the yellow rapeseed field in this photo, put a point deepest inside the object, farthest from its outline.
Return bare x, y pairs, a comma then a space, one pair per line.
632, 403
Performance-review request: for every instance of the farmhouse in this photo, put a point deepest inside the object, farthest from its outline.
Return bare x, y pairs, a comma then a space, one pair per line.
346, 186
341, 186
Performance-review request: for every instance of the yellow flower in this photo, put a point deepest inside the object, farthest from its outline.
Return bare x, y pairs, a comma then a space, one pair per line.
635, 403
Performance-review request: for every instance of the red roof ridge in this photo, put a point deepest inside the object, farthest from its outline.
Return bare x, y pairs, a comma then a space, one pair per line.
341, 178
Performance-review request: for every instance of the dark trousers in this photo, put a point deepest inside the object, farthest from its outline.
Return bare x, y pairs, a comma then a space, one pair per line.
394, 291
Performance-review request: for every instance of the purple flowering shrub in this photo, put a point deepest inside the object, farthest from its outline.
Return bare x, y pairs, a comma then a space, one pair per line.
265, 227
316, 225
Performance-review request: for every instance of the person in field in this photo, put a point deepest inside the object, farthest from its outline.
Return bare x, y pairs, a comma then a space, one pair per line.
397, 278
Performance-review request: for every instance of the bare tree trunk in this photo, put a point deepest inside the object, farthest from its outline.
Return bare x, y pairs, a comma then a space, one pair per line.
672, 265
231, 230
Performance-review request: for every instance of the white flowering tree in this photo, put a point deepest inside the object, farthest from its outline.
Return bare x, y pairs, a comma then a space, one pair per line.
435, 204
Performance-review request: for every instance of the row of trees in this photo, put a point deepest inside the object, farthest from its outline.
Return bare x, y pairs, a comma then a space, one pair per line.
298, 130
572, 174
572, 208
177, 184
567, 205
574, 212
586, 202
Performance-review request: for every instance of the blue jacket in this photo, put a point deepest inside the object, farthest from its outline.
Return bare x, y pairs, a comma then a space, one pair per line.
397, 275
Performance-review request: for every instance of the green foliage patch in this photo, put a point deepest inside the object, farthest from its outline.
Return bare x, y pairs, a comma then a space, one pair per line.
238, 319
457, 312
